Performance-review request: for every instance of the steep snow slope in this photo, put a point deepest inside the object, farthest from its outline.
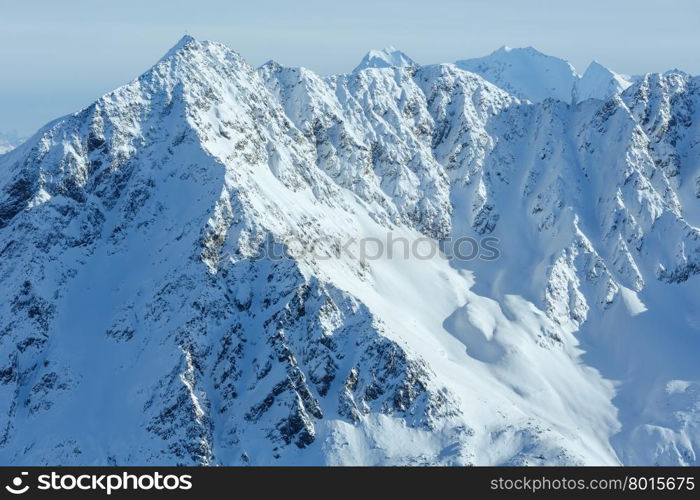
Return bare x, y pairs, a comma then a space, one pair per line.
593, 228
385, 58
147, 318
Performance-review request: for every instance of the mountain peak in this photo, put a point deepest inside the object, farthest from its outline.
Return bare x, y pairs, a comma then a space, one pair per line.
188, 45
528, 51
385, 58
271, 66
185, 39
597, 67
181, 279
525, 72
191, 58
182, 43
599, 82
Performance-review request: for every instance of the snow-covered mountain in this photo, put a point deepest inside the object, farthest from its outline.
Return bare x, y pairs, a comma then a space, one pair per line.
534, 76
526, 73
385, 58
146, 316
599, 82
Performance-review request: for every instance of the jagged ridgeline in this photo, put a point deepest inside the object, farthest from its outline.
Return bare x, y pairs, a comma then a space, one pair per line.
143, 319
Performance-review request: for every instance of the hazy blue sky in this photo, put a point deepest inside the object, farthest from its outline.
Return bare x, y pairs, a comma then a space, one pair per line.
58, 56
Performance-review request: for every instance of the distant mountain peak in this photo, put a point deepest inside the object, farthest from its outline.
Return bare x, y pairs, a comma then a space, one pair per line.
595, 65
272, 64
506, 49
525, 72
385, 58
596, 68
599, 82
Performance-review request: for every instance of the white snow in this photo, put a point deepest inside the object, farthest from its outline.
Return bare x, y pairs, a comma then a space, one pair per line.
598, 82
385, 58
525, 72
141, 327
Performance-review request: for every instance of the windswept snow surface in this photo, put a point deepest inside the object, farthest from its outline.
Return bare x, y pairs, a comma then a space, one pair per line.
146, 319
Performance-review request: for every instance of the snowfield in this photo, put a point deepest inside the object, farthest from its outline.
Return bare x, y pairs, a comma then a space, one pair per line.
142, 320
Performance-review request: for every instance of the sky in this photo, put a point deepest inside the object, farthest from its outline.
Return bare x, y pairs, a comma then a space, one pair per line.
58, 57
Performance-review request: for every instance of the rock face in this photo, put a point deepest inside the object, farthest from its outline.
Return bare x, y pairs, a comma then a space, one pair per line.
177, 287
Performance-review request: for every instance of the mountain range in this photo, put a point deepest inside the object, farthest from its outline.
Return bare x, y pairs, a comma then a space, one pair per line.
177, 285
